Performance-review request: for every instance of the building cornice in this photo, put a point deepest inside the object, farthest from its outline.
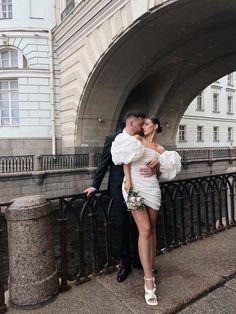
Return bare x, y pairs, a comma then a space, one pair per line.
23, 73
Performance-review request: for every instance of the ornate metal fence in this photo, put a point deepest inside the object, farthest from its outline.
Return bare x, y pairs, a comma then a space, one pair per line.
10, 164
85, 234
191, 209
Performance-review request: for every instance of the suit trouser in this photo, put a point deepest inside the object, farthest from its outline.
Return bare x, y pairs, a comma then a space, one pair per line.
126, 228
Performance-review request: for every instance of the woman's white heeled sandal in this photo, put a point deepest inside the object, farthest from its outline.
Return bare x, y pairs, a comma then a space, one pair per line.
150, 296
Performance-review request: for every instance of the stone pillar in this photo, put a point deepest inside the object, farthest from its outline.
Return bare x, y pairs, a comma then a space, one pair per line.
33, 276
92, 161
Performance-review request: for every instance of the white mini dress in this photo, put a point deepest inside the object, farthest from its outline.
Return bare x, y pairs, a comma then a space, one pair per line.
126, 149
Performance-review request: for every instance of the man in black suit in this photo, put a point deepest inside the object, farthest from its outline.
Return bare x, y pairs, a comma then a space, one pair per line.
134, 122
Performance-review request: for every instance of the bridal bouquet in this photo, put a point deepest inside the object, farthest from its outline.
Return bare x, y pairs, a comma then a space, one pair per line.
134, 200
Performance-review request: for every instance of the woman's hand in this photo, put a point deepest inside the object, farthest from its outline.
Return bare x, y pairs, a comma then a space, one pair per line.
153, 163
127, 186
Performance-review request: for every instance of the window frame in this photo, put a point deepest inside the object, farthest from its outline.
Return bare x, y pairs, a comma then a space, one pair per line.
230, 138
8, 10
216, 139
9, 90
182, 133
215, 110
200, 100
200, 133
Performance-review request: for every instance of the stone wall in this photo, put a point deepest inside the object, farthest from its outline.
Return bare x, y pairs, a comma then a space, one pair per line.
48, 183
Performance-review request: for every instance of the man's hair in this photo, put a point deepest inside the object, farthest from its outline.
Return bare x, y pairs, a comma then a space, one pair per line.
134, 114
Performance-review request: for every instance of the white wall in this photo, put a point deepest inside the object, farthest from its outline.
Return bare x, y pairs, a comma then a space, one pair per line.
209, 119
29, 14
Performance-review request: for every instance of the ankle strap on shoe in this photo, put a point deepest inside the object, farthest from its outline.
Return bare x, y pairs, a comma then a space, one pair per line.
148, 278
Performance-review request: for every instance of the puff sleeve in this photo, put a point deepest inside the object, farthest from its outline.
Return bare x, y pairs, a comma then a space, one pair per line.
126, 149
170, 165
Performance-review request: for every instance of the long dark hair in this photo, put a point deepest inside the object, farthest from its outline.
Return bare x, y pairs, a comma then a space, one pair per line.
156, 121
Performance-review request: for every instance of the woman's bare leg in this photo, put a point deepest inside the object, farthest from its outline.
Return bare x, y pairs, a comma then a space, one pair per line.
152, 213
142, 220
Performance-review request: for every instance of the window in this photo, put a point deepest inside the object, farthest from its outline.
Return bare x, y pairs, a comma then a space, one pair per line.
69, 7
230, 104
9, 59
182, 133
5, 9
9, 106
230, 134
215, 133
199, 133
215, 102
230, 79
200, 102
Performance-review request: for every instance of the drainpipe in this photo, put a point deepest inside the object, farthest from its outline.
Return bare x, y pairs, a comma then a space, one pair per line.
52, 90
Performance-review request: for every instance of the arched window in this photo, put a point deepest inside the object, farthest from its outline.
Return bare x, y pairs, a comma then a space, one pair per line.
9, 59
12, 58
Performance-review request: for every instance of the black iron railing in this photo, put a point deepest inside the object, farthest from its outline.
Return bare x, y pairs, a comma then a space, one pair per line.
191, 209
85, 233
3, 307
53, 162
9, 164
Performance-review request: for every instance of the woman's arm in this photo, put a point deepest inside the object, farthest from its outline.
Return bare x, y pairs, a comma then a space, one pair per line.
128, 181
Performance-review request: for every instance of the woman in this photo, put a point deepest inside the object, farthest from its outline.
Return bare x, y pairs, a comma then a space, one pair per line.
134, 154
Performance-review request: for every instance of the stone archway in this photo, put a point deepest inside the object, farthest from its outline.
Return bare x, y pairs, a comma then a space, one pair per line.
176, 49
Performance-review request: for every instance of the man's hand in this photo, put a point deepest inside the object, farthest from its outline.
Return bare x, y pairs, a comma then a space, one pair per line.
90, 191
147, 171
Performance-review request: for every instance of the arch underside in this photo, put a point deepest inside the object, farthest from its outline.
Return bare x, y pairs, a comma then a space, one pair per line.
171, 54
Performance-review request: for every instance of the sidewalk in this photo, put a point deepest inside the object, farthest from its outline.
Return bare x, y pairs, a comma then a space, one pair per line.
185, 275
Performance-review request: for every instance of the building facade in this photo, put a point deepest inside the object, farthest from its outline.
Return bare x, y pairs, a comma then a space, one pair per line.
210, 120
29, 106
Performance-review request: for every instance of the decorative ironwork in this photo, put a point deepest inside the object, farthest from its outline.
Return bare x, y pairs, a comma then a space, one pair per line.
10, 164
191, 209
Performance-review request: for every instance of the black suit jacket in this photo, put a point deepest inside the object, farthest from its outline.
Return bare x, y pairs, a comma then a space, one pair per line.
116, 172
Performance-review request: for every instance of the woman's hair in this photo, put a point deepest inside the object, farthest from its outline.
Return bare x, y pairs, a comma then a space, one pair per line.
156, 121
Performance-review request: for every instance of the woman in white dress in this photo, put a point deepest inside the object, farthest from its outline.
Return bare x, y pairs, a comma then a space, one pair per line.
135, 152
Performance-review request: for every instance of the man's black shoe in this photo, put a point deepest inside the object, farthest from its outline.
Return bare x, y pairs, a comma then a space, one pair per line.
155, 271
123, 273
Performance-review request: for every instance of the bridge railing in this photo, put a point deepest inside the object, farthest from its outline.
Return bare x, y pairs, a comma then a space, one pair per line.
52, 162
10, 164
27, 163
191, 209
86, 237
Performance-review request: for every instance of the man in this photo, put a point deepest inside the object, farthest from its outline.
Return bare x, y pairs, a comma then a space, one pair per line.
134, 122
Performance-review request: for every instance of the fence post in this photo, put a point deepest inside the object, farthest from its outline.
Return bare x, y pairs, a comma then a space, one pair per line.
92, 160
37, 163
33, 278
